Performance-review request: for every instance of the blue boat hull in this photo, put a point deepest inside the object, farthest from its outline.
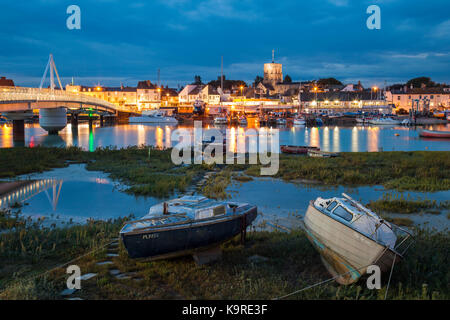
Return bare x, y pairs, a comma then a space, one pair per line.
186, 239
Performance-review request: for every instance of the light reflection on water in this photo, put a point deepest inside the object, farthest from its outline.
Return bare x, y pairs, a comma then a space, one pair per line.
73, 193
328, 138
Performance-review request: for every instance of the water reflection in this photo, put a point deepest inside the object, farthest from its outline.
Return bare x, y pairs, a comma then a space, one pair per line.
355, 143
315, 139
326, 138
336, 138
372, 139
25, 190
73, 193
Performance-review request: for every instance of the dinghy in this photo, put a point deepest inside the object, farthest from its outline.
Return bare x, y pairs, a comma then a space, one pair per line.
316, 153
185, 226
434, 134
297, 149
350, 238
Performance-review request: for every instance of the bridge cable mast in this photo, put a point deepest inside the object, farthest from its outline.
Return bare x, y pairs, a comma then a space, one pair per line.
51, 65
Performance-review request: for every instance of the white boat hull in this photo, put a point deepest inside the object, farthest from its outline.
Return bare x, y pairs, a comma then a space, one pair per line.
298, 122
346, 253
160, 120
384, 122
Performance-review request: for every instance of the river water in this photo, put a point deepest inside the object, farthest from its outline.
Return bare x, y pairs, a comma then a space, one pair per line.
328, 138
74, 195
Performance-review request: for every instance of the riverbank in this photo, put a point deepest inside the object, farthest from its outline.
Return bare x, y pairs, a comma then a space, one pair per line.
150, 172
269, 265
415, 171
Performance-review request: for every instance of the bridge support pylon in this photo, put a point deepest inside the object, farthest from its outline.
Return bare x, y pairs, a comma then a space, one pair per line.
19, 131
53, 120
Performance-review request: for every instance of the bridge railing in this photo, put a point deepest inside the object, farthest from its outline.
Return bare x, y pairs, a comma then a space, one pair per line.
36, 94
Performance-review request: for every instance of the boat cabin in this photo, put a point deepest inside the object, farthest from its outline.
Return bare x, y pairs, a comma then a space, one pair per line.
187, 209
359, 218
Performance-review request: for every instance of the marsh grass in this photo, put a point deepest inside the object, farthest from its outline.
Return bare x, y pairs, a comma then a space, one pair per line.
398, 203
216, 185
291, 264
28, 248
418, 170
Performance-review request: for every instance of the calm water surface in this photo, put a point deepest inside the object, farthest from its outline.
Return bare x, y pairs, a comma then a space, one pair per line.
329, 138
76, 194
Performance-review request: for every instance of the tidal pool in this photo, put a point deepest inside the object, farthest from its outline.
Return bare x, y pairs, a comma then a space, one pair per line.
74, 195
282, 204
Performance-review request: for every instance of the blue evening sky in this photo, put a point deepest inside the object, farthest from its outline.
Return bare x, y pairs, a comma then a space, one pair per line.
127, 41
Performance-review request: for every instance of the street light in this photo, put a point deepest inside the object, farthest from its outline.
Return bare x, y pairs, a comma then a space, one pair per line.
315, 94
374, 88
242, 87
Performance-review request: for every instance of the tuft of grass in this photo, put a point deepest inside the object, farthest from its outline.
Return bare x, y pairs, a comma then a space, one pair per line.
217, 184
398, 203
241, 178
405, 222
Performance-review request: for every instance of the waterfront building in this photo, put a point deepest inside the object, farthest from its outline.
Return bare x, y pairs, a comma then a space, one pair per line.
422, 99
343, 102
210, 95
148, 95
169, 98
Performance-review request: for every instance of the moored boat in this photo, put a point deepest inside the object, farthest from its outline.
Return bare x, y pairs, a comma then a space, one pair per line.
434, 134
384, 121
321, 154
220, 120
153, 117
242, 121
297, 149
350, 238
281, 121
184, 226
299, 121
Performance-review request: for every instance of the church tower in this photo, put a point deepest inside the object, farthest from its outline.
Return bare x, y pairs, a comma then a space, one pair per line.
273, 72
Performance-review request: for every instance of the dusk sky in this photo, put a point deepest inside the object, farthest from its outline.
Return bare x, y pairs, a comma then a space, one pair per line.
127, 41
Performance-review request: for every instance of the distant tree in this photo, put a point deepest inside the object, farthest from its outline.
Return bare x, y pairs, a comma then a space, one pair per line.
227, 84
197, 80
328, 82
417, 82
287, 79
258, 79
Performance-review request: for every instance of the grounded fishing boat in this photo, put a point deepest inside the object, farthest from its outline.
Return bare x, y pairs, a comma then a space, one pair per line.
434, 134
322, 154
297, 149
184, 226
350, 237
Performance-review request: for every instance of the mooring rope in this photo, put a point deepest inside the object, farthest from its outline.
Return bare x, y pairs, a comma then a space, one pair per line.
331, 279
390, 275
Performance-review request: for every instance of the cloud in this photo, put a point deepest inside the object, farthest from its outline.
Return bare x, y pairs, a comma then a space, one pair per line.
339, 3
442, 30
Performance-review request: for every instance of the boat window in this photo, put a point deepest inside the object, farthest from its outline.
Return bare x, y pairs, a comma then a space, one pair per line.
332, 205
344, 214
